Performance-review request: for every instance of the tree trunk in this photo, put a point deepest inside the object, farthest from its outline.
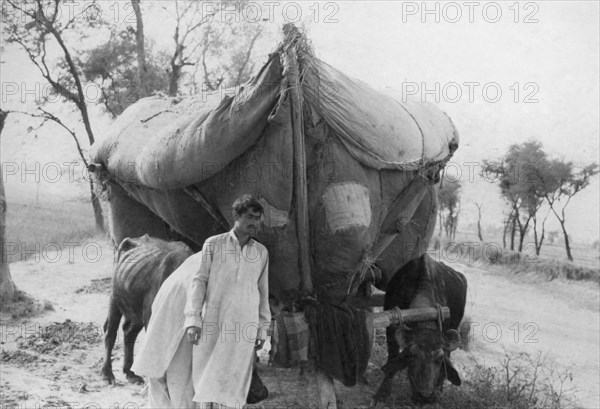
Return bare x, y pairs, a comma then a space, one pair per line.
174, 80
80, 103
567, 245
535, 236
506, 224
140, 48
544, 229
521, 237
98, 216
7, 286
522, 233
454, 226
479, 225
513, 230
539, 240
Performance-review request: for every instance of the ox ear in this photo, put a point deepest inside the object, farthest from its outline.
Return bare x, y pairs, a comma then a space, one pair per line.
127, 244
396, 364
451, 340
451, 372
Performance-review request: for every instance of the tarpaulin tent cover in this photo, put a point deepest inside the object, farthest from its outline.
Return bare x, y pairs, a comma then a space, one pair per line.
363, 149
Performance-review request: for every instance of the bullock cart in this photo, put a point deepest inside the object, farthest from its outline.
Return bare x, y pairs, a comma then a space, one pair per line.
347, 176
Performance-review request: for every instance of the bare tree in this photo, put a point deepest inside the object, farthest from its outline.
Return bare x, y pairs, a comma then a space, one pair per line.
189, 18
230, 48
218, 47
43, 24
7, 286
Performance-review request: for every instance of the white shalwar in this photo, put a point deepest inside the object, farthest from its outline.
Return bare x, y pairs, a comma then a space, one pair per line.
232, 286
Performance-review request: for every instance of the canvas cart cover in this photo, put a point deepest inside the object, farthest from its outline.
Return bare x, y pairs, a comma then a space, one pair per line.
175, 165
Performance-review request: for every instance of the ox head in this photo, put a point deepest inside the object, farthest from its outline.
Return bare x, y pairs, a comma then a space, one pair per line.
426, 354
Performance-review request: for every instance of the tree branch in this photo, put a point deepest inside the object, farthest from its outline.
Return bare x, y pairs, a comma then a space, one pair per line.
49, 116
248, 53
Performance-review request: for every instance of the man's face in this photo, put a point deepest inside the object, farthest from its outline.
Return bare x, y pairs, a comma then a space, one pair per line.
248, 222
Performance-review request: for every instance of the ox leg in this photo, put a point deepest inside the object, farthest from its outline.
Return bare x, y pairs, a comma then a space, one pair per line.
131, 330
111, 326
390, 370
384, 390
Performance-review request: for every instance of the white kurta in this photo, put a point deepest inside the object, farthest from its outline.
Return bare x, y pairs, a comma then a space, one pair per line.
233, 283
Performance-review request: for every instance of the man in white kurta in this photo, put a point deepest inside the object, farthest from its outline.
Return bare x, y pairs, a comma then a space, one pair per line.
232, 287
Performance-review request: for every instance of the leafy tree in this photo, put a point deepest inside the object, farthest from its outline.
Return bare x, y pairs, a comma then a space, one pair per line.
449, 206
38, 25
217, 50
114, 64
520, 184
566, 182
528, 178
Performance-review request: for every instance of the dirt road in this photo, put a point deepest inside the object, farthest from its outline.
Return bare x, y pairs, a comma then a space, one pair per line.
557, 318
526, 313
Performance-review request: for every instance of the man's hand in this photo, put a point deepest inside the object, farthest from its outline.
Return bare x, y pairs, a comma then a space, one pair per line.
193, 335
258, 344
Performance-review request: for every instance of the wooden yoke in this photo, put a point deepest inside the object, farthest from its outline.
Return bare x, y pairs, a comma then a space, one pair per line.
397, 316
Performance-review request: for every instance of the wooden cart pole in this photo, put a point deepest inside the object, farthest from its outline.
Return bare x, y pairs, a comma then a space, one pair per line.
300, 190
326, 395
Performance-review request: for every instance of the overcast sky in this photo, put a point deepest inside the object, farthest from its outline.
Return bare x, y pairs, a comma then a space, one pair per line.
504, 71
554, 57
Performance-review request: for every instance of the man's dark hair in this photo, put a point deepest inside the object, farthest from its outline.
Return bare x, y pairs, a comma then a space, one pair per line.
245, 202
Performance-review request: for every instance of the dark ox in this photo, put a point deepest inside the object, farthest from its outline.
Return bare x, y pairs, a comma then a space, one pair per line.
424, 348
143, 264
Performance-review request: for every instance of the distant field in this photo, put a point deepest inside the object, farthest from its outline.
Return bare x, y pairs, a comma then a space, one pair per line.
53, 222
45, 228
585, 256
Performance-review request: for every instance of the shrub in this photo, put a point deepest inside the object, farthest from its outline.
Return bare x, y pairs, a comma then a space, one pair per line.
522, 381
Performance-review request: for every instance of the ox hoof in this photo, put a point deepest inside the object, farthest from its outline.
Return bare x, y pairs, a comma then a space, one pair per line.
108, 379
376, 403
135, 379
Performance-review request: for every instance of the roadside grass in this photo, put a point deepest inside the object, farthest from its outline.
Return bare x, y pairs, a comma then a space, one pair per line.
34, 229
519, 381
525, 262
